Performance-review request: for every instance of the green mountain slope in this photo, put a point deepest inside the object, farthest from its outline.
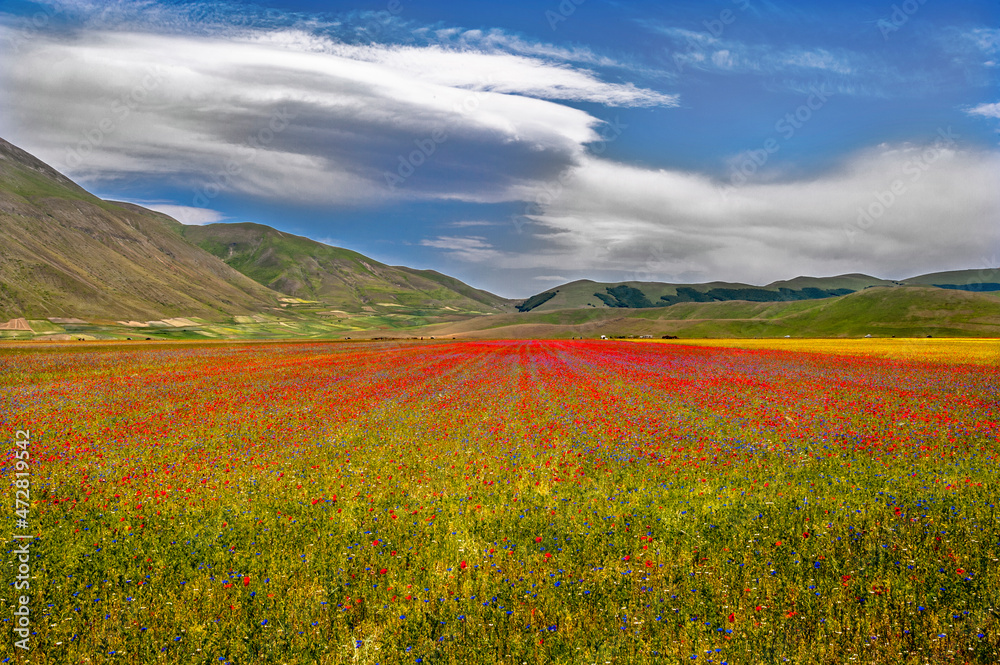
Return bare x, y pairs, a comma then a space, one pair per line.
969, 279
582, 293
66, 253
586, 293
853, 281
880, 311
306, 269
637, 295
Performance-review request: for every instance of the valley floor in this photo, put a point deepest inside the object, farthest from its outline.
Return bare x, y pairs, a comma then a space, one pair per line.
513, 501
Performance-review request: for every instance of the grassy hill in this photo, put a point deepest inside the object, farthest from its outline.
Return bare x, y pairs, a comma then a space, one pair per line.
853, 281
581, 293
878, 311
636, 295
72, 265
306, 269
67, 253
962, 278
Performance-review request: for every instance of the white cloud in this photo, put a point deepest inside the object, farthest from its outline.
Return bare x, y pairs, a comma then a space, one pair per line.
491, 61
986, 110
471, 222
790, 67
186, 214
984, 40
472, 69
626, 222
287, 115
703, 50
472, 249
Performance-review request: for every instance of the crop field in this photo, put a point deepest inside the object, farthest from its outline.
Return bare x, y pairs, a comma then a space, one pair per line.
500, 502
961, 350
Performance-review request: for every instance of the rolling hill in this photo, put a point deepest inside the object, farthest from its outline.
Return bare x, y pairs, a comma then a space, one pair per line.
72, 264
306, 269
878, 311
986, 279
67, 253
639, 295
587, 293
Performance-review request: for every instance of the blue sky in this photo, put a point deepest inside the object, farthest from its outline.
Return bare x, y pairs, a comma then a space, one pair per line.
520, 145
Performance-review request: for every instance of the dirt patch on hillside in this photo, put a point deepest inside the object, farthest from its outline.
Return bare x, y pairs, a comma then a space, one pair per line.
16, 324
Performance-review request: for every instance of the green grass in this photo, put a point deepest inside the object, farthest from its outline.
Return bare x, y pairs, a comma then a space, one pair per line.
344, 279
879, 311
66, 253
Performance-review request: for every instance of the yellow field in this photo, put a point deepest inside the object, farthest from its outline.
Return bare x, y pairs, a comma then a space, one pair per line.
943, 350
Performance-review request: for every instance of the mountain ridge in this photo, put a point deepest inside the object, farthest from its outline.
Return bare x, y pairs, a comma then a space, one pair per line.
305, 268
65, 253
631, 294
917, 311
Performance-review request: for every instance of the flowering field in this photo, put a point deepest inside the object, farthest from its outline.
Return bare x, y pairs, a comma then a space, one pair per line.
515, 502
964, 350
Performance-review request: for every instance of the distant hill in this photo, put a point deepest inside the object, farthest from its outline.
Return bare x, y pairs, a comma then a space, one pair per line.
67, 253
852, 281
878, 311
986, 279
582, 293
640, 295
310, 270
72, 264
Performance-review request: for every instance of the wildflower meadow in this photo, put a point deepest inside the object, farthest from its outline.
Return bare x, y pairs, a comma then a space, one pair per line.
502, 502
